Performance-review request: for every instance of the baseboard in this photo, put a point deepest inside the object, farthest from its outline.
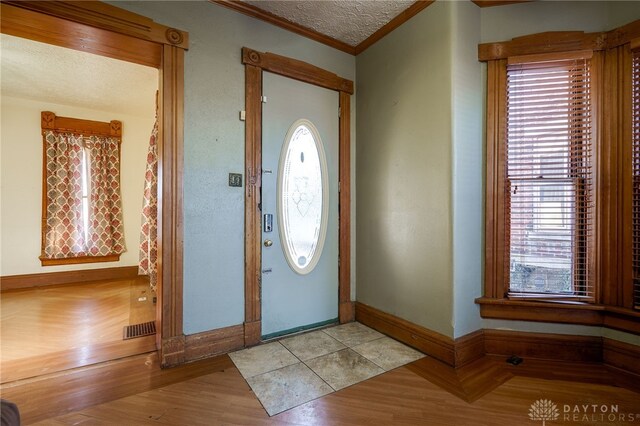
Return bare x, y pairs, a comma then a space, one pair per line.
558, 347
504, 343
13, 282
621, 355
469, 348
214, 342
429, 342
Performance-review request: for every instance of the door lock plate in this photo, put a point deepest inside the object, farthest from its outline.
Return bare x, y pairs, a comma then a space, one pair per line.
268, 222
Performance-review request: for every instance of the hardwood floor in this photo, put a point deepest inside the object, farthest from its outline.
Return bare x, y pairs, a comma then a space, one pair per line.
134, 391
49, 329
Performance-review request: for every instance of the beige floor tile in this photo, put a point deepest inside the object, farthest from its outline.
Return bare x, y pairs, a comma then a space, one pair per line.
387, 353
261, 359
287, 387
353, 334
343, 368
312, 345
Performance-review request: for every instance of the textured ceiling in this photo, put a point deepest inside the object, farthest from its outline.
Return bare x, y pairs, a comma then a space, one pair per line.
350, 21
55, 74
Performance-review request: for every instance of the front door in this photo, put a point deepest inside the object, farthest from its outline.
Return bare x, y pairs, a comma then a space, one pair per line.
299, 206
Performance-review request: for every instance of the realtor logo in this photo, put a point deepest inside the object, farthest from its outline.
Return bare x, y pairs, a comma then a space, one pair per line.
544, 409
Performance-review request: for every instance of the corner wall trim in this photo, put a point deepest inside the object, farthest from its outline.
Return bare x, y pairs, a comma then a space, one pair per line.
14, 282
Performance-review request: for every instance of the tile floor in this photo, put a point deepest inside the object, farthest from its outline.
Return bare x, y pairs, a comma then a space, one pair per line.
294, 370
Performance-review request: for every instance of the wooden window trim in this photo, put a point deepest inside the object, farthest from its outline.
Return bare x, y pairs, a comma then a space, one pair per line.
51, 122
612, 305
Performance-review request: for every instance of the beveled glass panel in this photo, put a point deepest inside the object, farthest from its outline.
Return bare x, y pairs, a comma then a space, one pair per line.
302, 198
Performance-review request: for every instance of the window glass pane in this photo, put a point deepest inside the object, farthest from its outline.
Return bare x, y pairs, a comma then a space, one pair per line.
301, 198
542, 236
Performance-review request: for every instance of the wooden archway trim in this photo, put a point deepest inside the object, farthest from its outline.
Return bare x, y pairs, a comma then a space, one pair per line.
255, 63
106, 30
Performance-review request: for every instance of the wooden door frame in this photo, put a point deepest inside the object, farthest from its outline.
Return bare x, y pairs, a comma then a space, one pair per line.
106, 30
255, 63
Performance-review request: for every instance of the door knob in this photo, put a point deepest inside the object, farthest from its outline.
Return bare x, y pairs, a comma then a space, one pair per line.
268, 243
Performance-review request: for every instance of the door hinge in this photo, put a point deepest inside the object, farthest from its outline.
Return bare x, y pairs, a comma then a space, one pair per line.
263, 99
339, 112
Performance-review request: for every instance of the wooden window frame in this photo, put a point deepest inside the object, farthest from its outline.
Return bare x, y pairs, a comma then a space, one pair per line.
611, 109
50, 121
109, 31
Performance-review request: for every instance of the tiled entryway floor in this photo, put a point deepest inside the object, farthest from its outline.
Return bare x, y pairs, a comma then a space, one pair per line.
298, 369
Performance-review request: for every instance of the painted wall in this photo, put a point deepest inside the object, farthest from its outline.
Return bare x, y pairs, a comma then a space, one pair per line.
214, 146
21, 181
468, 168
404, 168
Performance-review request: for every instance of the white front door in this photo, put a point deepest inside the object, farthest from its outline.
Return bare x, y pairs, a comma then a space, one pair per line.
299, 206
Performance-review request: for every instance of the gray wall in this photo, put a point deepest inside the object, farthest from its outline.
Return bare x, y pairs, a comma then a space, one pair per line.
404, 220
214, 146
468, 171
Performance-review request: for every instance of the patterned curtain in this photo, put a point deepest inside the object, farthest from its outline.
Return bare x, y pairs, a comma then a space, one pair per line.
106, 231
64, 236
149, 231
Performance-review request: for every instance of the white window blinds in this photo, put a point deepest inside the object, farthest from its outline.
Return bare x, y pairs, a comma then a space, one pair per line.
636, 175
549, 184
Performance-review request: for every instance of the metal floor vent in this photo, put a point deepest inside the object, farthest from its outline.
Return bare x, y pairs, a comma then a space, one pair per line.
139, 330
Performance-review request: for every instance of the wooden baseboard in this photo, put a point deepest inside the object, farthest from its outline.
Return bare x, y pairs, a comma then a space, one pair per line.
504, 343
13, 282
621, 355
559, 347
469, 348
429, 342
214, 342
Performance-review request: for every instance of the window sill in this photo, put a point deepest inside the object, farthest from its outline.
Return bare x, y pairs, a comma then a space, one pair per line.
45, 261
568, 313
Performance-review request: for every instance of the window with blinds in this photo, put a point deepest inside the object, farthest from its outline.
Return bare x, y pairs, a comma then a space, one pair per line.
635, 84
549, 185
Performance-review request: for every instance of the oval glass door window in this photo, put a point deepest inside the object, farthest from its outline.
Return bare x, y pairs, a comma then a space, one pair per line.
302, 196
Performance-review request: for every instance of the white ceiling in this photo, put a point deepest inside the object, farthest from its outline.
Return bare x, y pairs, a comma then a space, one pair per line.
350, 21
47, 73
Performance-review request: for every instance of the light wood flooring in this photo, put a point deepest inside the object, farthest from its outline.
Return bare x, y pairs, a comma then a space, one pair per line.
54, 328
134, 391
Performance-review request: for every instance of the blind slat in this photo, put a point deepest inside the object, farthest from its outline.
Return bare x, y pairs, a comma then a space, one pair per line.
635, 65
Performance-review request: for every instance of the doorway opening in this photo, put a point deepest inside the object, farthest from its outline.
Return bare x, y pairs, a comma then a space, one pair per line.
70, 314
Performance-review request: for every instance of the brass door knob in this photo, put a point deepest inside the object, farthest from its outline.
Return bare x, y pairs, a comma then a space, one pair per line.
268, 243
